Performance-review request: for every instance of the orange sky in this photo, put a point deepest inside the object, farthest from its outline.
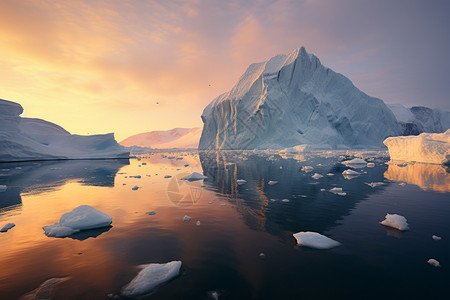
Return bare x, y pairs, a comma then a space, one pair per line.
101, 66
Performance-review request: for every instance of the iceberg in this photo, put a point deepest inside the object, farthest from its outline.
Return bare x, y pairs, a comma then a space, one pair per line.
24, 139
194, 176
7, 227
150, 277
293, 100
395, 221
315, 240
83, 217
433, 148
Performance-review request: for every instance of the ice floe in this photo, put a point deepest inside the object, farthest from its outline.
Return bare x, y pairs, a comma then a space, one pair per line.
194, 176
433, 262
315, 240
350, 172
83, 217
338, 191
317, 176
150, 277
7, 227
395, 221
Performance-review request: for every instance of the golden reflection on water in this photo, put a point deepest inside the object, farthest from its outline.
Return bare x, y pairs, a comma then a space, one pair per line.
428, 177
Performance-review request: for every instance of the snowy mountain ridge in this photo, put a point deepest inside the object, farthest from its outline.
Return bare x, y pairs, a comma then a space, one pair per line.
185, 138
291, 100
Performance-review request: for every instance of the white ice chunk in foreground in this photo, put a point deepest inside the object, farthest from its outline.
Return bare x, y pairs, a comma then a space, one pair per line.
317, 176
83, 217
395, 221
434, 262
271, 182
151, 276
7, 227
433, 148
356, 162
436, 238
315, 240
194, 176
3, 188
241, 181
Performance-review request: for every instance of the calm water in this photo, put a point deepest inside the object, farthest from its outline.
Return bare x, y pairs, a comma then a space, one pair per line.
238, 222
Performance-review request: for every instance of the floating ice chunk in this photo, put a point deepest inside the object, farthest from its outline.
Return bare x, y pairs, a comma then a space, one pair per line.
198, 223
194, 176
137, 176
186, 165
46, 290
356, 162
307, 169
285, 200
330, 174
395, 221
168, 176
7, 227
317, 176
370, 165
171, 157
436, 238
434, 262
186, 218
336, 190
3, 188
315, 240
375, 184
241, 181
271, 182
262, 255
342, 194
151, 213
350, 173
402, 184
83, 217
322, 190
223, 204
151, 276
135, 188
144, 163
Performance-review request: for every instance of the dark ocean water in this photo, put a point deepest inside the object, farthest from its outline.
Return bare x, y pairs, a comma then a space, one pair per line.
221, 258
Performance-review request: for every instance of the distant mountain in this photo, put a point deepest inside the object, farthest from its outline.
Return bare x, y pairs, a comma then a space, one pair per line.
418, 119
175, 138
291, 100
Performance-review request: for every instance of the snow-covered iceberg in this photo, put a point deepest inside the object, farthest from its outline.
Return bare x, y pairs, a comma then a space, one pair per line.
292, 100
433, 148
84, 217
315, 240
23, 139
151, 276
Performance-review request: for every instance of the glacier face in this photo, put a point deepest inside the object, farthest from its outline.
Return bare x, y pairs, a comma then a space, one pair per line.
23, 139
292, 100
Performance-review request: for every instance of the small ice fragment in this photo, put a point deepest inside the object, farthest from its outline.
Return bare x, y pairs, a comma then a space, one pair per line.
186, 218
370, 165
395, 221
342, 194
315, 240
354, 162
436, 238
434, 262
210, 202
273, 200
186, 165
151, 213
375, 184
167, 176
330, 174
241, 181
135, 188
322, 190
151, 276
171, 157
137, 176
317, 176
307, 169
198, 223
271, 182
402, 184
3, 188
262, 255
285, 200
194, 176
281, 167
223, 204
350, 172
336, 190
7, 227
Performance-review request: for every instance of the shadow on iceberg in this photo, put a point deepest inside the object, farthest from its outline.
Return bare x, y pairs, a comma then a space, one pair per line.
298, 201
92, 233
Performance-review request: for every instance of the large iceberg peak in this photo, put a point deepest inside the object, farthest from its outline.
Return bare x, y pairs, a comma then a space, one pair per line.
9, 108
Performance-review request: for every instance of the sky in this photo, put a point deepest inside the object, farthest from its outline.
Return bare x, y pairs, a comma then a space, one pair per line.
135, 66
